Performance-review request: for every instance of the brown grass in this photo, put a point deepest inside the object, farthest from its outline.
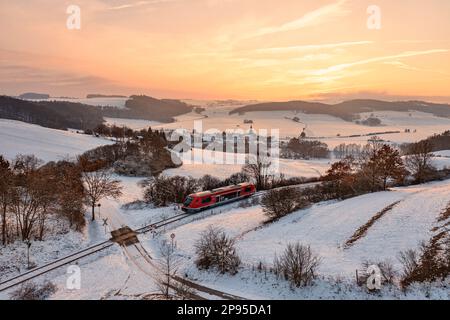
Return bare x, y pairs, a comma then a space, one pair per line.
362, 231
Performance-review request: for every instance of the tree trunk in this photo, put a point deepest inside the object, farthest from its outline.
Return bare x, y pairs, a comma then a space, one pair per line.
4, 225
93, 211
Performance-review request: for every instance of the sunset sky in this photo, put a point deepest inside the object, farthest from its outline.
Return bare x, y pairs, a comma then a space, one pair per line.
220, 49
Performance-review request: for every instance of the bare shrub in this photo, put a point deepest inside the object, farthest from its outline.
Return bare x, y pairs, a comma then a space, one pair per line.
163, 190
430, 263
260, 172
32, 291
388, 273
236, 178
410, 260
419, 161
215, 249
298, 265
279, 202
208, 182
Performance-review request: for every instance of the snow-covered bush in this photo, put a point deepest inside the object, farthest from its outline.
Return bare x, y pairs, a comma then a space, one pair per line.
297, 264
215, 249
388, 273
279, 202
163, 190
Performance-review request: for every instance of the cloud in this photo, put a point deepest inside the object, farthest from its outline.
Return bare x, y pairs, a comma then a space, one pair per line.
406, 54
312, 47
139, 4
405, 66
311, 18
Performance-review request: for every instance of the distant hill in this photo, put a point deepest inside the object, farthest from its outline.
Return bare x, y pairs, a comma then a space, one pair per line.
148, 108
92, 96
348, 110
51, 114
32, 95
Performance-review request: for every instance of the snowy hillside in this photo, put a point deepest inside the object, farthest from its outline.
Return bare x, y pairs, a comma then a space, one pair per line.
327, 227
47, 144
329, 129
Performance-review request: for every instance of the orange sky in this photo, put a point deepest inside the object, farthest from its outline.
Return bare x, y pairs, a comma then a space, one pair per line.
244, 49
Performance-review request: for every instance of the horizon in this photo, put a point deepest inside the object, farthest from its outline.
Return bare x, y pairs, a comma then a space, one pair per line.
219, 50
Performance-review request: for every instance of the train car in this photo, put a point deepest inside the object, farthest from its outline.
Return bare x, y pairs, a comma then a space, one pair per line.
208, 199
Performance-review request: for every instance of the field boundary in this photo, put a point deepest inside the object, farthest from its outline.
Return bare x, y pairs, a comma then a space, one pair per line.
362, 231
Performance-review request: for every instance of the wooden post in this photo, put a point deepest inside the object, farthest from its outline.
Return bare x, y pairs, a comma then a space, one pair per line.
357, 278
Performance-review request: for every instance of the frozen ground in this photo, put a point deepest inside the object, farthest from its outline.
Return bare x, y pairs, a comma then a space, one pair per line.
326, 227
210, 165
324, 126
103, 102
47, 144
116, 273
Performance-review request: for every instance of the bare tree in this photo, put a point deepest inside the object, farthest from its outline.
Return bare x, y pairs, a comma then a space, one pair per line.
168, 266
369, 162
29, 197
419, 160
259, 171
5, 194
98, 185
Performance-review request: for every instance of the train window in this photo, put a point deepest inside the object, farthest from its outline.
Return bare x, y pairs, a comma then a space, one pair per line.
206, 200
248, 189
188, 201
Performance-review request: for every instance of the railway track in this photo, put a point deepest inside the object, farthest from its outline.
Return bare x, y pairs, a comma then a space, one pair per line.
38, 271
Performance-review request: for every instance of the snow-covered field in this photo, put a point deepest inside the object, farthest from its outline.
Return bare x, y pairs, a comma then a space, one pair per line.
102, 102
47, 144
209, 163
326, 127
325, 227
113, 274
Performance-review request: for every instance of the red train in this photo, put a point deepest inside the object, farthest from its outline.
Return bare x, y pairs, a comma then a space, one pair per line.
208, 199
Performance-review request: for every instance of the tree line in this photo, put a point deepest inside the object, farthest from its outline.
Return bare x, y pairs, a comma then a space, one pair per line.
376, 167
37, 199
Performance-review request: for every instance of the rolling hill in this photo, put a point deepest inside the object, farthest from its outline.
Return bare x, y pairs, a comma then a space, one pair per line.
148, 108
348, 110
51, 114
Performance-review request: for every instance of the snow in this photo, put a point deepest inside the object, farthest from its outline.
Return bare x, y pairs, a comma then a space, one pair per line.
327, 226
103, 102
47, 144
316, 125
442, 153
120, 273
288, 167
